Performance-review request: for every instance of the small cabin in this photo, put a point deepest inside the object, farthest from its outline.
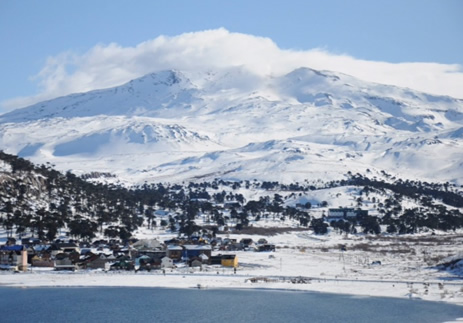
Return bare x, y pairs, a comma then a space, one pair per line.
230, 261
167, 262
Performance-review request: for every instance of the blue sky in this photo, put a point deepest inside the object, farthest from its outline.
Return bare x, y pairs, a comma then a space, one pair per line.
32, 32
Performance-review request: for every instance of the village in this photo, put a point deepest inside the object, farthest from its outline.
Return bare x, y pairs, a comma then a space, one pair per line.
136, 255
359, 264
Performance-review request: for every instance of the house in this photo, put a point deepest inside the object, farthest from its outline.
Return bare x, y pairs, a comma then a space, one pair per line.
230, 261
96, 261
42, 261
64, 261
224, 260
13, 257
122, 262
39, 255
174, 252
154, 255
167, 262
344, 213
192, 251
87, 258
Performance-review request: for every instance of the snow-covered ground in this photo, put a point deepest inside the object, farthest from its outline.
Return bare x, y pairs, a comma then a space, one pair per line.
302, 261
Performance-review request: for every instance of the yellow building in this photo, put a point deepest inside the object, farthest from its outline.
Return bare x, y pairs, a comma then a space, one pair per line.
230, 261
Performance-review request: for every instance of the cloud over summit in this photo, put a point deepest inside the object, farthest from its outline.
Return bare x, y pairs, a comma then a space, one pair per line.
107, 65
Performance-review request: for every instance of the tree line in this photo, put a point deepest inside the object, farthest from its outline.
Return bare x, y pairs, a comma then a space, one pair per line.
40, 201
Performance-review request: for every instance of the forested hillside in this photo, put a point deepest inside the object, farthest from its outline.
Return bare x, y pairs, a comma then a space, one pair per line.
42, 202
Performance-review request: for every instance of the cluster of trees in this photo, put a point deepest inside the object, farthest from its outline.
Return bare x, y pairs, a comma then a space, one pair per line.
41, 201
444, 192
367, 223
439, 210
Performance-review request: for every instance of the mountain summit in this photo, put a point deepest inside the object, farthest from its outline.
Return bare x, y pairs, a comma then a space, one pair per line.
182, 126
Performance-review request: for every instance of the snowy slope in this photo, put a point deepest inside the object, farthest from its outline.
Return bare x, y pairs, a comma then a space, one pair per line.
176, 126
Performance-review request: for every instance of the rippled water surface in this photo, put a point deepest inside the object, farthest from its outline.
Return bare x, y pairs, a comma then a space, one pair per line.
112, 304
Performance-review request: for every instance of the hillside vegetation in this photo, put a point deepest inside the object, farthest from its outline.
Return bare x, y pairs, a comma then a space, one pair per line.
42, 202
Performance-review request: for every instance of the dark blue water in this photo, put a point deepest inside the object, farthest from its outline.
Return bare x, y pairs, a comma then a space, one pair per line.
110, 304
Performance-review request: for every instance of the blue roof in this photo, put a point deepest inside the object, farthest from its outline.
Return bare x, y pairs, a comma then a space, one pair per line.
12, 248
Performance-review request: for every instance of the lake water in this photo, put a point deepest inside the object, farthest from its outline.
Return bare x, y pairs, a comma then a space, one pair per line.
113, 304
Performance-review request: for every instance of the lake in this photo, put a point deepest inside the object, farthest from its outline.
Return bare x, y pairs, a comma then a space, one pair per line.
127, 304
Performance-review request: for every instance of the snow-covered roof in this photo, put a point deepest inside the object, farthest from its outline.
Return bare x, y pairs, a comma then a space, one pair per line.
197, 247
40, 247
174, 247
147, 243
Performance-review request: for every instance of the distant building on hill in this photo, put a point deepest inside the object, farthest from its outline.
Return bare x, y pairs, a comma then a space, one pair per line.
344, 213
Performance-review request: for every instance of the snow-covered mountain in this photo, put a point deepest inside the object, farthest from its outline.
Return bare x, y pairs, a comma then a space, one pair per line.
182, 126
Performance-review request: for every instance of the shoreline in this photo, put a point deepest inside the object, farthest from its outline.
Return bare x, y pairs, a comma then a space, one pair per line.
432, 290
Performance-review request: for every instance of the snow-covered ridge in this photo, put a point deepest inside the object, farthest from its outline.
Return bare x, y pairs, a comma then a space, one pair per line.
231, 123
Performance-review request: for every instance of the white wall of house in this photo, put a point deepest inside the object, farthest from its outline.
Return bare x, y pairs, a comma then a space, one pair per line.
166, 262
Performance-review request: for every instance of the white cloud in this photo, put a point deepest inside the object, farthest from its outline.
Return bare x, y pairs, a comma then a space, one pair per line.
110, 65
